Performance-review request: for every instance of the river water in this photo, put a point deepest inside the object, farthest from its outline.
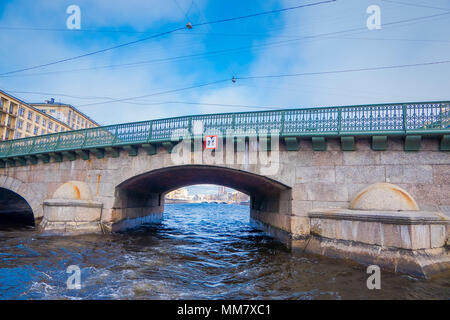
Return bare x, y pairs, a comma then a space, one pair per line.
198, 251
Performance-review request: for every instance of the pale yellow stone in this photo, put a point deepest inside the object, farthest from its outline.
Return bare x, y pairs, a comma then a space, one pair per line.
384, 196
76, 190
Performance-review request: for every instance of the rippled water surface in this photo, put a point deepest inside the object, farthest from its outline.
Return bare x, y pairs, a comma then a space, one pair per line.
198, 251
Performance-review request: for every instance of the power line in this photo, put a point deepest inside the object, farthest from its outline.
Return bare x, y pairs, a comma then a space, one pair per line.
265, 13
165, 33
157, 93
266, 76
416, 5
327, 35
345, 70
94, 52
151, 102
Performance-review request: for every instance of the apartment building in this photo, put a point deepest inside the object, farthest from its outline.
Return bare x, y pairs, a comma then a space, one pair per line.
19, 119
66, 113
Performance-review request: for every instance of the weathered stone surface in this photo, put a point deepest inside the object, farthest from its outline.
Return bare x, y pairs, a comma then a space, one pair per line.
408, 230
360, 174
78, 190
409, 174
327, 192
315, 174
69, 216
441, 174
438, 235
361, 158
384, 196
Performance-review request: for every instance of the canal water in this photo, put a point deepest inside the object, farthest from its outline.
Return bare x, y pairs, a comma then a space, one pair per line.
198, 251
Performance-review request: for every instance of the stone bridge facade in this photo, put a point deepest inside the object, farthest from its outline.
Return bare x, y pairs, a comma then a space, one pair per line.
368, 183
127, 188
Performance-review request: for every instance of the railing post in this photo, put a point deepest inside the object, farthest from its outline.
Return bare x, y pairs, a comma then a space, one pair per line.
339, 120
9, 147
190, 125
32, 145
115, 134
150, 131
57, 142
404, 111
282, 122
85, 138
233, 122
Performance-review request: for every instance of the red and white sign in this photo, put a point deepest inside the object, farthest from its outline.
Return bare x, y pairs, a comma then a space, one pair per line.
210, 142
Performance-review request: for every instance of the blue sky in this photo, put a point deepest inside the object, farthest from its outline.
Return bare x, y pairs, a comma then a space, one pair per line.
273, 44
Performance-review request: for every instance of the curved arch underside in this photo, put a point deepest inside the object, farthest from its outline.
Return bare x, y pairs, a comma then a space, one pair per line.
171, 178
14, 209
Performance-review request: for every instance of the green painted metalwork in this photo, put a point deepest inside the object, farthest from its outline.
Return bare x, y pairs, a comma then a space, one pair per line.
412, 143
319, 143
348, 143
379, 143
291, 143
403, 119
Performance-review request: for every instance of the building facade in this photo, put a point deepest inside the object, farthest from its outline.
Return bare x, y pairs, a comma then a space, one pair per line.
66, 113
19, 119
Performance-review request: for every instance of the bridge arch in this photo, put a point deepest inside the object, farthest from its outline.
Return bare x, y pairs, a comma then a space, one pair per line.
143, 195
17, 196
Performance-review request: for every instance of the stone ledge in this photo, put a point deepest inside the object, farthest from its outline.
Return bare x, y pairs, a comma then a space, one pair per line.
72, 203
385, 217
423, 263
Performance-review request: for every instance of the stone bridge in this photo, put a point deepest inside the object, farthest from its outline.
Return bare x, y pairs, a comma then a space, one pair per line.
367, 183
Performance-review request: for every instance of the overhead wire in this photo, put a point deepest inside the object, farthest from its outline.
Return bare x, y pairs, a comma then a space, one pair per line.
166, 33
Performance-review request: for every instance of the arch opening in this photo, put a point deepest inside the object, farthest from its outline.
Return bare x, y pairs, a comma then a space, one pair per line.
14, 210
143, 195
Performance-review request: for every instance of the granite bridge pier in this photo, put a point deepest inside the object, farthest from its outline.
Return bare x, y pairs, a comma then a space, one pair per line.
367, 183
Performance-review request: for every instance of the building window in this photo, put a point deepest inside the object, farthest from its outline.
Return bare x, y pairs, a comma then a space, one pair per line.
44, 122
38, 118
17, 135
43, 131
11, 107
21, 111
19, 123
52, 111
56, 127
36, 131
50, 125
7, 135
2, 102
30, 115
28, 127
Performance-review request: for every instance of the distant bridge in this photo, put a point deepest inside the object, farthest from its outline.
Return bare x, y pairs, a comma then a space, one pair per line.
115, 177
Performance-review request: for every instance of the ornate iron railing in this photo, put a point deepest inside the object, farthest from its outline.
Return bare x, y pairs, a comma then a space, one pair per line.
424, 118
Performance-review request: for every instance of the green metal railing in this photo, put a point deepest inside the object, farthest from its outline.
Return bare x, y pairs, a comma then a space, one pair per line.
424, 118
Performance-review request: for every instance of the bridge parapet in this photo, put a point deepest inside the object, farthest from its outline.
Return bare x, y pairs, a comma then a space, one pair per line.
410, 120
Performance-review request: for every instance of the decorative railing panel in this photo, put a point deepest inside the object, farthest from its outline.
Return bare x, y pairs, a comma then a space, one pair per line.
401, 118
